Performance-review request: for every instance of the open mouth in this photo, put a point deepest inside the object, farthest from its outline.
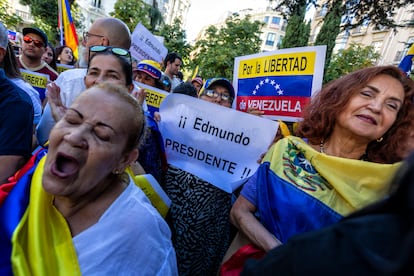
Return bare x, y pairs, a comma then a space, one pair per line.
65, 166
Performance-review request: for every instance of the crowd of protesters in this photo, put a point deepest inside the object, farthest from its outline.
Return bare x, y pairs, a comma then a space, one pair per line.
65, 154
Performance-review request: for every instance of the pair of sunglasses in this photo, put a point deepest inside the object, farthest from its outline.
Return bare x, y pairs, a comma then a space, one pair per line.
214, 94
114, 50
27, 39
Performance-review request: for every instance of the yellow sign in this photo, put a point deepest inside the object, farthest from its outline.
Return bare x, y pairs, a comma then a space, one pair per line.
63, 67
154, 98
302, 63
35, 79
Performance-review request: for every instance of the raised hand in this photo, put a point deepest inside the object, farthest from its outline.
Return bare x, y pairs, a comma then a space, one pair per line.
55, 102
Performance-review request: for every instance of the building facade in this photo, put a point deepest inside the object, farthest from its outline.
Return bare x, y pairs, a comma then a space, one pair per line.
272, 31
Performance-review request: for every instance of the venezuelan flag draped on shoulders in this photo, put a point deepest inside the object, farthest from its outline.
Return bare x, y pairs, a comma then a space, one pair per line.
300, 189
407, 62
34, 238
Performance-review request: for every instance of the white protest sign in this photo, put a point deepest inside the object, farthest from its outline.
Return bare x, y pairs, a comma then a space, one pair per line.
218, 144
145, 45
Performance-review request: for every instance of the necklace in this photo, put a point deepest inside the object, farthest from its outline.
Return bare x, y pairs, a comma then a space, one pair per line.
321, 148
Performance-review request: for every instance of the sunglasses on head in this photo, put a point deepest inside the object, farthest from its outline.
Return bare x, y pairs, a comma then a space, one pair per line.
114, 50
27, 39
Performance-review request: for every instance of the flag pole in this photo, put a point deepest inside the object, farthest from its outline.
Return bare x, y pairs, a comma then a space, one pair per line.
60, 23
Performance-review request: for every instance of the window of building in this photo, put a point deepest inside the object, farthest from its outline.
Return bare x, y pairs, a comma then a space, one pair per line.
276, 20
401, 54
379, 28
270, 39
279, 41
377, 46
284, 24
361, 29
398, 56
96, 3
266, 19
323, 10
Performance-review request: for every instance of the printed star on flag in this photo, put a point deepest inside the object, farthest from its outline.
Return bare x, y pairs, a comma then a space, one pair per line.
272, 83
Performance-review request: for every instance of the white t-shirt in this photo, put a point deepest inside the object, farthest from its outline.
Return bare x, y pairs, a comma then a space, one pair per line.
175, 82
130, 238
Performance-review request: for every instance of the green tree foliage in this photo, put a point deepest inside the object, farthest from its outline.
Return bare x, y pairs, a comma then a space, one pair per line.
379, 12
45, 13
297, 31
175, 39
216, 52
9, 20
353, 58
133, 12
330, 29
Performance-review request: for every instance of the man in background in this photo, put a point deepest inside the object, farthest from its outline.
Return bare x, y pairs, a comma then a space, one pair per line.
172, 64
33, 48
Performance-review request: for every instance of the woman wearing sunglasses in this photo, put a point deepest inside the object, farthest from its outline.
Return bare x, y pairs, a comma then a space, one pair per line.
106, 64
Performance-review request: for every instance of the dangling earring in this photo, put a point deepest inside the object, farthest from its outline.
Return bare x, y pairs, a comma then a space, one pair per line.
379, 140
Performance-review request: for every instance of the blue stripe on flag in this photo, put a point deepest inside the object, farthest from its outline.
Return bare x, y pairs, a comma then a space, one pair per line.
286, 210
276, 85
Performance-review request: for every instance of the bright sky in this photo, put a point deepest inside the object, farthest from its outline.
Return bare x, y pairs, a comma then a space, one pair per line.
203, 13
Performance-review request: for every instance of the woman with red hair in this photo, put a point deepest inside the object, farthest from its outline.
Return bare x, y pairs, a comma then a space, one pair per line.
353, 133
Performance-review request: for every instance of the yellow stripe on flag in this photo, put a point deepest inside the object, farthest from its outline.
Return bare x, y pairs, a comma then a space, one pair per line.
152, 190
42, 242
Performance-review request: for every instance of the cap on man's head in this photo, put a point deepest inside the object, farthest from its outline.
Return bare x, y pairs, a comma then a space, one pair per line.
37, 31
150, 67
4, 36
218, 81
198, 80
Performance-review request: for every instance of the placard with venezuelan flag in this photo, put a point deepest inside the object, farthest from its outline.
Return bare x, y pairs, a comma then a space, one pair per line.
66, 26
280, 83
